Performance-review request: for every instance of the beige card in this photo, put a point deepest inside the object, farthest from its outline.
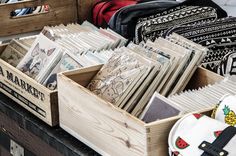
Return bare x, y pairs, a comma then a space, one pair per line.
11, 56
197, 54
19, 47
150, 65
121, 72
179, 52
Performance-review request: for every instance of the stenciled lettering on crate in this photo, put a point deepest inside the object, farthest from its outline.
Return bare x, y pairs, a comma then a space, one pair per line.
28, 93
31, 95
22, 84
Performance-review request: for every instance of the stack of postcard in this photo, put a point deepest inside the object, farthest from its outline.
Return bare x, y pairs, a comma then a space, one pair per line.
122, 76
160, 107
179, 57
41, 58
207, 97
61, 48
134, 73
14, 52
27, 41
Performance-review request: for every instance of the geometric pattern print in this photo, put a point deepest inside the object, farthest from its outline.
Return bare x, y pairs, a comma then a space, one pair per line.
228, 65
209, 32
217, 57
220, 38
220, 28
147, 21
155, 26
218, 48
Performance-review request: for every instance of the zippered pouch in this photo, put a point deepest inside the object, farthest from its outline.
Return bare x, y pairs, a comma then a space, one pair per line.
219, 37
125, 20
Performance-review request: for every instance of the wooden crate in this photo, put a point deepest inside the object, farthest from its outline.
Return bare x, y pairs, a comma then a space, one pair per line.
61, 11
108, 129
31, 95
46, 107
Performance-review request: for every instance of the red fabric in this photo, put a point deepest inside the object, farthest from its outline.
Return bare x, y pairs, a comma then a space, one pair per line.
104, 10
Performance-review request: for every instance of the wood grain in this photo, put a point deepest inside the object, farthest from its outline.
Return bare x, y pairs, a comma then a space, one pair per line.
54, 137
102, 126
203, 77
60, 12
108, 129
157, 136
50, 103
83, 76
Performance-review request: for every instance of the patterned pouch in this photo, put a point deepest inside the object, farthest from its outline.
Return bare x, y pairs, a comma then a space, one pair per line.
199, 135
157, 25
226, 110
228, 64
218, 36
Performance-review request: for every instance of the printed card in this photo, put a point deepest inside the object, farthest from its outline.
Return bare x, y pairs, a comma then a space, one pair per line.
40, 58
159, 108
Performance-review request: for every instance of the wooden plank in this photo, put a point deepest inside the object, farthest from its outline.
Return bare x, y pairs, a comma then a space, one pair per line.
102, 126
102, 123
35, 135
31, 95
31, 143
158, 132
157, 136
60, 12
27, 92
203, 77
83, 76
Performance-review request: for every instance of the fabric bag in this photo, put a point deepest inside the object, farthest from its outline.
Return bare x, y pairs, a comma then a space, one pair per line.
199, 135
219, 37
104, 9
125, 20
188, 13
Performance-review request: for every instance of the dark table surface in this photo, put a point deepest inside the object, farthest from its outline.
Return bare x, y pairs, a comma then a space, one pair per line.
55, 137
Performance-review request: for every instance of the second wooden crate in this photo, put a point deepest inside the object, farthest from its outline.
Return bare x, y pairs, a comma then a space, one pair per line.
106, 128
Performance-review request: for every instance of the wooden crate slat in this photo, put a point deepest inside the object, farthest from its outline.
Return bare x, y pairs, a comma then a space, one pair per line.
60, 12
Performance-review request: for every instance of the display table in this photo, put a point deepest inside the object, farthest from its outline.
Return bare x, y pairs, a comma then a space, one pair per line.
21, 132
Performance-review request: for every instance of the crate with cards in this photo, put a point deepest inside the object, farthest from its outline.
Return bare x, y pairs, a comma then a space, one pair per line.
25, 91
24, 83
29, 66
112, 101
